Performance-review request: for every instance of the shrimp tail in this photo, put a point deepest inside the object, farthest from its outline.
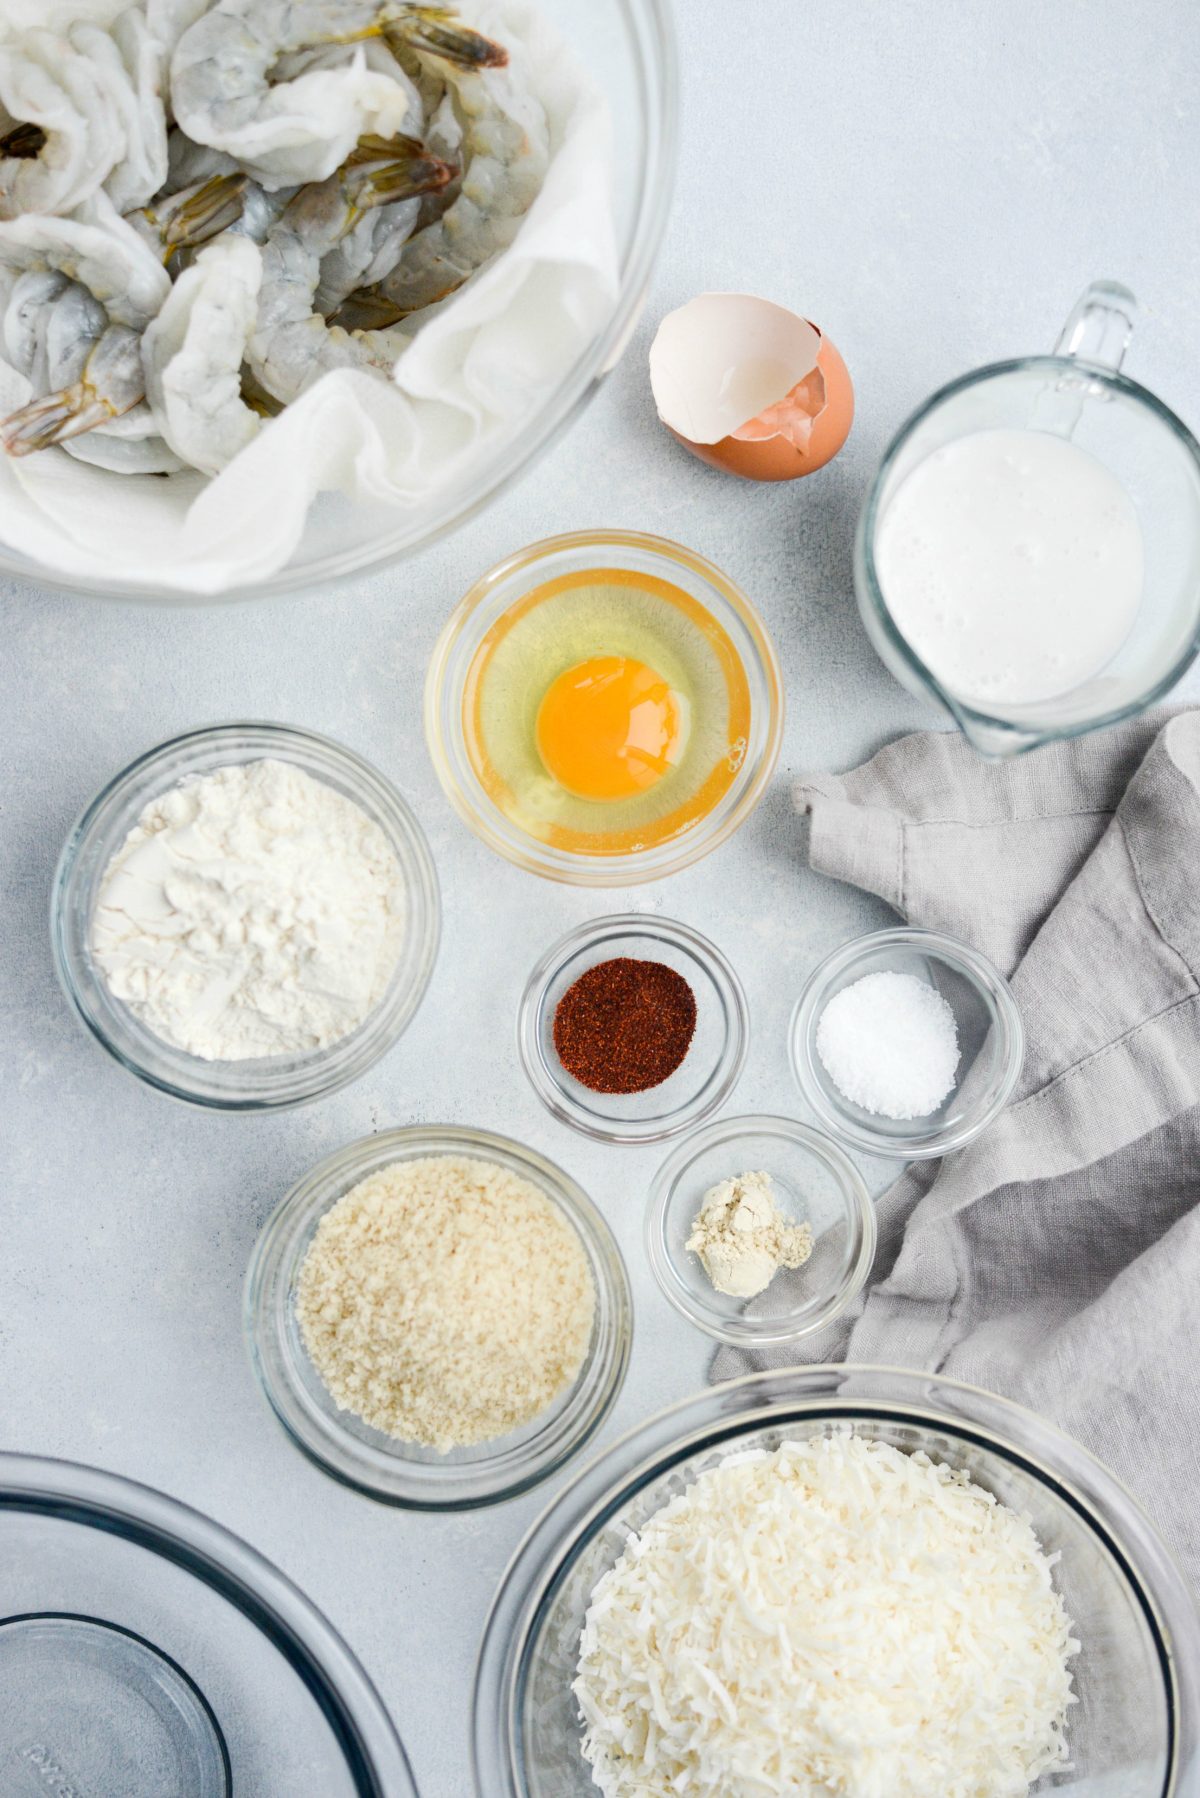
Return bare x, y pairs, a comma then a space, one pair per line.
368, 310
24, 141
111, 384
215, 204
68, 413
381, 171
436, 31
372, 309
256, 396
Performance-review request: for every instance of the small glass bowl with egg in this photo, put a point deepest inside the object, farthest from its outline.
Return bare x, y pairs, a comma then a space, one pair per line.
604, 708
990, 1042
813, 1187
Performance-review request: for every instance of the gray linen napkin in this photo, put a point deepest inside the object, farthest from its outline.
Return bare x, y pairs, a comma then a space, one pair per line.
1056, 1259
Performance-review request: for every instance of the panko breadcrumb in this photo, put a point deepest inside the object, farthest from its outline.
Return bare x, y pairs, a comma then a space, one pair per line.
445, 1301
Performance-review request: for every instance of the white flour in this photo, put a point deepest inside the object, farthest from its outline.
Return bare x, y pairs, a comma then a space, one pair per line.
252, 911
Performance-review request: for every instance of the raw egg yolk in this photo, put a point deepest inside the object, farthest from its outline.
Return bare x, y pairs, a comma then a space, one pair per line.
609, 728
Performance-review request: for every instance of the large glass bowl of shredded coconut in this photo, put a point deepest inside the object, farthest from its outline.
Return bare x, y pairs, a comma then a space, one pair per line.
907, 1042
247, 917
851, 1580
438, 1317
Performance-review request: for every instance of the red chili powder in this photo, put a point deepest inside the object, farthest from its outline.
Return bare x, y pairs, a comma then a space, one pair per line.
625, 1025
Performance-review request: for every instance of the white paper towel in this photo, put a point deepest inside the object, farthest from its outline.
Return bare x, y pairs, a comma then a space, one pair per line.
488, 359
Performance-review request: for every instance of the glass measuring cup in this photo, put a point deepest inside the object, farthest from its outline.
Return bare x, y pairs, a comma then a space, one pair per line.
1077, 392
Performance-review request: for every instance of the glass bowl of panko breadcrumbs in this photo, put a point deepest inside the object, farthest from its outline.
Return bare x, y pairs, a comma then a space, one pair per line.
438, 1317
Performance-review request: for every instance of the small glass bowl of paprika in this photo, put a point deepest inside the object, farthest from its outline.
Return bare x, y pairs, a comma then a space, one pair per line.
633, 1028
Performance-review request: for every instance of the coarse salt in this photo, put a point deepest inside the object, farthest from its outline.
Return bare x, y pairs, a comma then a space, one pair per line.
889, 1043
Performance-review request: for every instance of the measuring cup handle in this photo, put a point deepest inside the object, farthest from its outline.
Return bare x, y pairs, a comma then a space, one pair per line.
1100, 326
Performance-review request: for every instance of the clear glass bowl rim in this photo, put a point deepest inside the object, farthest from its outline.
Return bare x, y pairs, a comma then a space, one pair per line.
318, 1084
207, 1724
729, 1068
1027, 734
983, 975
274, 1259
568, 866
654, 46
861, 1218
207, 1551
595, 1492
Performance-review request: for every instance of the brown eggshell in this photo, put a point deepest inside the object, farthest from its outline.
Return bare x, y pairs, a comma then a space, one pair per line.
777, 458
750, 386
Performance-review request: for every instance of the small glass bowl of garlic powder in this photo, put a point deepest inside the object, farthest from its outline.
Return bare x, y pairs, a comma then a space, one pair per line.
246, 917
759, 1230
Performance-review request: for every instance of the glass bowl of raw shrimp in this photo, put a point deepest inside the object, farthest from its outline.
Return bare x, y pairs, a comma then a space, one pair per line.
627, 51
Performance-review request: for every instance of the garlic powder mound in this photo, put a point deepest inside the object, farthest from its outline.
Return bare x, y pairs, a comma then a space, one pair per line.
445, 1301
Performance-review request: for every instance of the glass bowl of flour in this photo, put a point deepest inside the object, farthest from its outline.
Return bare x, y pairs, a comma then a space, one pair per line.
246, 917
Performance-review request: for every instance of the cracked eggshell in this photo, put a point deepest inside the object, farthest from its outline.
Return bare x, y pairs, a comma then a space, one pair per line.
750, 387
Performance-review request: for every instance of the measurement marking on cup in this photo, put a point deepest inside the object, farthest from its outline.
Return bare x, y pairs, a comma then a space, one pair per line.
50, 1771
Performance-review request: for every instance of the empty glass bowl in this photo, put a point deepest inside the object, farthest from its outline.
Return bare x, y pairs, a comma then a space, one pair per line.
271, 1082
405, 1473
991, 1042
710, 1069
1136, 1728
814, 1183
629, 51
146, 1651
552, 565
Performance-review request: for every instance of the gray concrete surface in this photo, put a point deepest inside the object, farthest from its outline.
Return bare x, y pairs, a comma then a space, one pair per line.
933, 184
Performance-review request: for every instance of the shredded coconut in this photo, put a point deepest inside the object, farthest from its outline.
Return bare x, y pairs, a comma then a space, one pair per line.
889, 1043
445, 1301
743, 1239
835, 1617
251, 911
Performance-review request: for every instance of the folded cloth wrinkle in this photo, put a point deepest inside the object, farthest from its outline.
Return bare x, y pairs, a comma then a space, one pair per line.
1057, 1258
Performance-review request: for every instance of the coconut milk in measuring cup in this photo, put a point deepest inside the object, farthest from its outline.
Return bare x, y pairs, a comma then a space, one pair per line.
1028, 556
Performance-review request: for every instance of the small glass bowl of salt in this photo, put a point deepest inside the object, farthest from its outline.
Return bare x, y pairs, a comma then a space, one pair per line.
907, 1043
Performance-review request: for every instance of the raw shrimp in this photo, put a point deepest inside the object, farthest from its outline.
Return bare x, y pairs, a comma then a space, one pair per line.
372, 248
90, 112
50, 326
48, 86
167, 20
119, 285
124, 436
25, 319
302, 129
193, 215
193, 352
97, 249
292, 345
374, 242
109, 382
505, 151
132, 68
188, 163
190, 166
